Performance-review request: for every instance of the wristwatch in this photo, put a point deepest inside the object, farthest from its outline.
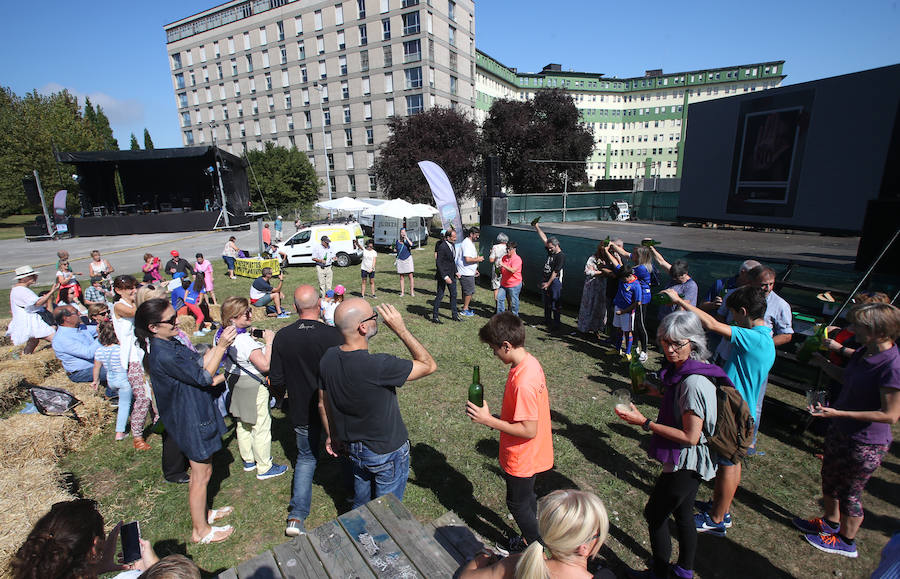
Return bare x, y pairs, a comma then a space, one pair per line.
646, 425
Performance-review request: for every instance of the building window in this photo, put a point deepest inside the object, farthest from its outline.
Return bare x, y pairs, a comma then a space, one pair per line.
414, 77
246, 41
453, 83
431, 76
385, 6
410, 23
256, 129
182, 100
372, 183
179, 80
385, 28
328, 139
185, 119
307, 119
254, 106
348, 160
346, 113
323, 72
176, 61
287, 101
234, 70
342, 42
412, 50
338, 14
320, 44
304, 95
348, 137
317, 17
268, 81
304, 77
265, 58
298, 24
364, 60
451, 10
273, 127
202, 53
342, 63
452, 36
366, 86
283, 55
363, 35
243, 130
301, 50
370, 135
326, 117
189, 137
388, 82
345, 89
324, 93
249, 63
453, 63
388, 56
330, 157
389, 107
367, 112
370, 159
408, 3
309, 141
414, 104
271, 102
351, 182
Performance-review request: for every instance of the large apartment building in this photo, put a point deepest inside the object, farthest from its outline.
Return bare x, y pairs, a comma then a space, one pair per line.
324, 76
638, 123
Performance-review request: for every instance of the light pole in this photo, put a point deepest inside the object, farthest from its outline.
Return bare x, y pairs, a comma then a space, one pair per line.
324, 144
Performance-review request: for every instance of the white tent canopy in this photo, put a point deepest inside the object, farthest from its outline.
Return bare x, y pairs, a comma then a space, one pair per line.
426, 208
343, 204
399, 209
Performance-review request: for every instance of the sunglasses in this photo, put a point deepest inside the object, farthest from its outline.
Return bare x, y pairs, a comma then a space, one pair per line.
372, 317
103, 313
173, 321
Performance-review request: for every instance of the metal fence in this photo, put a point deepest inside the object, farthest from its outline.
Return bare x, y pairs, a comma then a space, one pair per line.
593, 205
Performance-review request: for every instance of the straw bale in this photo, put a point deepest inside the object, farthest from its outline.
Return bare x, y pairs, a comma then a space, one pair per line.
26, 494
35, 367
10, 352
13, 389
215, 312
28, 437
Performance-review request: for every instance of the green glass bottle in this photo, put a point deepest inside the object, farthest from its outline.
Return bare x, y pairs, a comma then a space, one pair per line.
605, 242
535, 220
662, 299
812, 343
476, 390
649, 242
637, 372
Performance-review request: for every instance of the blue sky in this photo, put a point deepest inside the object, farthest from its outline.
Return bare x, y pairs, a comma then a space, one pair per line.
115, 52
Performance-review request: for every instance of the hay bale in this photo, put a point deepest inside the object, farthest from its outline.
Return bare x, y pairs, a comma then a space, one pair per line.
11, 352
13, 389
187, 324
35, 367
28, 437
21, 505
215, 312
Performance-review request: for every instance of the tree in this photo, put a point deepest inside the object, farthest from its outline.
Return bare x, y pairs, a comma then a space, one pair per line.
285, 176
31, 127
148, 142
442, 135
105, 131
135, 146
546, 128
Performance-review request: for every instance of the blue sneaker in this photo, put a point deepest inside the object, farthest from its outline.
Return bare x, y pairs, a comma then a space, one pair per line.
815, 526
832, 544
705, 524
706, 506
467, 313
276, 470
283, 315
248, 466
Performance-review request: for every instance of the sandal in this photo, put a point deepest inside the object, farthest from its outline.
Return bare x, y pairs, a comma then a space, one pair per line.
217, 514
211, 536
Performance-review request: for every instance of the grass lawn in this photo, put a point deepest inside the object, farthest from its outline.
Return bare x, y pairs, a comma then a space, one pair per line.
11, 227
454, 462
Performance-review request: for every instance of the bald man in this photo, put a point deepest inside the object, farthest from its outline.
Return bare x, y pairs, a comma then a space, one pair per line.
296, 352
361, 398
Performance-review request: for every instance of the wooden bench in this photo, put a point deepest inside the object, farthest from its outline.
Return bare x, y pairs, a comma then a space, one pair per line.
380, 539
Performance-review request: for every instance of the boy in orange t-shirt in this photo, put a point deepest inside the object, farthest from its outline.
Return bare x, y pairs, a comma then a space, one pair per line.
526, 444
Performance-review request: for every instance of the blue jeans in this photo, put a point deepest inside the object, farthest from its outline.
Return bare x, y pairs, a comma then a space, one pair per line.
552, 305
229, 262
387, 471
513, 294
305, 467
86, 375
124, 389
759, 405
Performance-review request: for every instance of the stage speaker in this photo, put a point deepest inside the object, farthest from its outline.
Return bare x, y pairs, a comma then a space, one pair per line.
878, 230
31, 191
494, 210
492, 177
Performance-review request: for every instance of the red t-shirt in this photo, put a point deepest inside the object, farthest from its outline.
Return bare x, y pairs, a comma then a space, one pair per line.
511, 279
267, 236
526, 398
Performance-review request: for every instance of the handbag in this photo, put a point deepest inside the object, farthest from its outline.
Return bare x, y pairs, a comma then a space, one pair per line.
54, 402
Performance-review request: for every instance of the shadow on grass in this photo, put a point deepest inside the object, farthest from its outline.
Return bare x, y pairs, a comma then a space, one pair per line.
592, 444
455, 492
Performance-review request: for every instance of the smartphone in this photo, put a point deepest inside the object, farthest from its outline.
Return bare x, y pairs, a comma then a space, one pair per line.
256, 333
130, 534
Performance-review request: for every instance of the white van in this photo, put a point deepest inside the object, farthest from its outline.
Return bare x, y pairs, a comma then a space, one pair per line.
346, 241
386, 231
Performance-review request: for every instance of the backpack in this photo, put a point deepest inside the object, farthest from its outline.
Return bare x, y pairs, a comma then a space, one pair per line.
734, 424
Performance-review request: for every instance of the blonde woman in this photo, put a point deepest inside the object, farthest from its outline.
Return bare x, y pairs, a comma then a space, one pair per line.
573, 526
246, 361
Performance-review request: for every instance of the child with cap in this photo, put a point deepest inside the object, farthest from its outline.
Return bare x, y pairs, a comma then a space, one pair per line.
327, 306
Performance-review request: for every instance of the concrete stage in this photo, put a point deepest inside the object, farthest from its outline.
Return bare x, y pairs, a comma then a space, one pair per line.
798, 247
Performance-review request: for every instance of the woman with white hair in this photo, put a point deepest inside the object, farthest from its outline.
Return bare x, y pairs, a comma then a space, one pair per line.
27, 327
573, 526
687, 416
498, 250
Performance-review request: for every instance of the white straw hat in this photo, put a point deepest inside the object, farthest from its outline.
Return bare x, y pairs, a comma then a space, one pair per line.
24, 271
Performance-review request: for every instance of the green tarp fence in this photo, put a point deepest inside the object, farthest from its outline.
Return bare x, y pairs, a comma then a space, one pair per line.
592, 205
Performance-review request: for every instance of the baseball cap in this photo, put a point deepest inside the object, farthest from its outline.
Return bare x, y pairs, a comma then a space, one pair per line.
325, 238
96, 278
329, 294
339, 290
174, 253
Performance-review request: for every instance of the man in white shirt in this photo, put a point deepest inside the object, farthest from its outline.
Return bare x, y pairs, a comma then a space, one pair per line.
467, 266
323, 256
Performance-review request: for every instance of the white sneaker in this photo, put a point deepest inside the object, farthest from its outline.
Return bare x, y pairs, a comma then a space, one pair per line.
643, 357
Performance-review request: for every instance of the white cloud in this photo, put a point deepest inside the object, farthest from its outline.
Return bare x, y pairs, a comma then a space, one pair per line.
119, 111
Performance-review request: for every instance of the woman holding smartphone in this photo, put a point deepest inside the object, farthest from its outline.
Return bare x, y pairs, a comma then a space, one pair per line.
182, 381
245, 364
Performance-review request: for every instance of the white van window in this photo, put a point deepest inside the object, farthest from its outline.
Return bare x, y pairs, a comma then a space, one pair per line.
301, 236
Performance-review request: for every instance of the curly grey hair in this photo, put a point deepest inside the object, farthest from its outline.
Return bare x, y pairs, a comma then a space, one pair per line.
681, 325
502, 238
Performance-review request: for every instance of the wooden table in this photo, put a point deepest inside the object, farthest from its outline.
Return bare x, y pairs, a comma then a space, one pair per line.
380, 539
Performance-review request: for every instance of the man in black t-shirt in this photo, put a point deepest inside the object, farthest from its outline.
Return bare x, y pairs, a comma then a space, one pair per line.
551, 282
178, 265
361, 398
296, 352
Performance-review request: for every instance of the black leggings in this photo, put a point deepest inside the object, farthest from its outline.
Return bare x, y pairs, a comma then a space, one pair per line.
674, 493
522, 504
640, 327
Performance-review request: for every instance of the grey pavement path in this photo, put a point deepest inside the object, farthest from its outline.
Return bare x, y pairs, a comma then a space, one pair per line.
124, 252
798, 247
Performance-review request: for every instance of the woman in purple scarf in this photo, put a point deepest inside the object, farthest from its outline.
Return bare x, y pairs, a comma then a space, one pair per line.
687, 416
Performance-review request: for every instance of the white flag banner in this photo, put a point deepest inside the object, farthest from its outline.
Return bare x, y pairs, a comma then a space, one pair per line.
444, 198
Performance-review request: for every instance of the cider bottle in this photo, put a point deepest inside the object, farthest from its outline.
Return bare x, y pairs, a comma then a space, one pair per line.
476, 390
